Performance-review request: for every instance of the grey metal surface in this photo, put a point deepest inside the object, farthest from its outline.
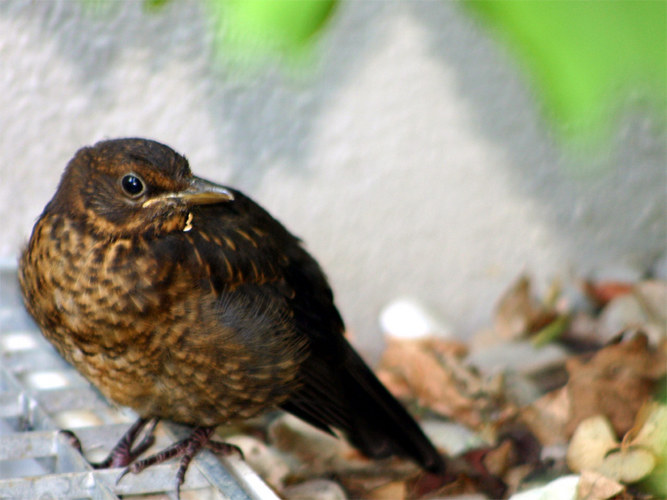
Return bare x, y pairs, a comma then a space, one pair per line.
41, 394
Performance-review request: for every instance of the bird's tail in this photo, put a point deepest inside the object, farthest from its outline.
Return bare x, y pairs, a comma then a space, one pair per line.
381, 426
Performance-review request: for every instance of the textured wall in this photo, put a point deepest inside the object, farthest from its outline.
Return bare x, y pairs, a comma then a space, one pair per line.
412, 159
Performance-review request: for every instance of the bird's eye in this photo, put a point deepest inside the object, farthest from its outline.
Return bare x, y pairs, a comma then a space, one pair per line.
132, 185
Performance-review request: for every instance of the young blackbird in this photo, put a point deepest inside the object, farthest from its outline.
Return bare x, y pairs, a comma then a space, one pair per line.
187, 301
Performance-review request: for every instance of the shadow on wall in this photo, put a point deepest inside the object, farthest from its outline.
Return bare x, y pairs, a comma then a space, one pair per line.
584, 197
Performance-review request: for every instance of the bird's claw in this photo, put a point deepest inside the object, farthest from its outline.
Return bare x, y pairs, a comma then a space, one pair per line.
72, 439
224, 449
186, 449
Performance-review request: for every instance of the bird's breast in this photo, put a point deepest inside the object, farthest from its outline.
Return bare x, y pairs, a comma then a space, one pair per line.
138, 319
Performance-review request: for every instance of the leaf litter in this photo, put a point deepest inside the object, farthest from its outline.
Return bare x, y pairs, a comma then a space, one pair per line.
563, 395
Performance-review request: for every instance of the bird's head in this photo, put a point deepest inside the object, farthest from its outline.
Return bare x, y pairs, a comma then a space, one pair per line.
127, 187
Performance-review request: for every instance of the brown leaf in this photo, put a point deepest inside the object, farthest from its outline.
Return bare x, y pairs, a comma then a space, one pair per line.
446, 347
378, 483
396, 384
548, 417
516, 310
615, 382
440, 382
505, 465
428, 485
423, 488
498, 460
603, 292
519, 314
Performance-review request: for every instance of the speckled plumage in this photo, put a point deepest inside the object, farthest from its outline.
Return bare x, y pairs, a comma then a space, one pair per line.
187, 301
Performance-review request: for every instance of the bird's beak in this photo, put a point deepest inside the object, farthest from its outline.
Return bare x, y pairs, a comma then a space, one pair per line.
199, 192
202, 192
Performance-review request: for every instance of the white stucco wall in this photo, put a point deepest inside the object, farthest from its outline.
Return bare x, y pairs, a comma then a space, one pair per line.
412, 159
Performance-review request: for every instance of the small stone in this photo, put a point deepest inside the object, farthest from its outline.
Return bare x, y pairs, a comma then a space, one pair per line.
563, 488
407, 318
316, 489
73, 419
451, 438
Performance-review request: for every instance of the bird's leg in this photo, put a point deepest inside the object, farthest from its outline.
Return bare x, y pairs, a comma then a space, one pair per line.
123, 454
186, 449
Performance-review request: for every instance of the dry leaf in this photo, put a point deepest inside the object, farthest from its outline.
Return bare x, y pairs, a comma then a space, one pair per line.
644, 309
652, 295
650, 432
595, 486
424, 486
514, 477
396, 384
548, 417
315, 449
590, 444
516, 311
461, 486
628, 465
603, 292
650, 429
498, 460
615, 382
438, 380
395, 490
639, 456
381, 483
447, 347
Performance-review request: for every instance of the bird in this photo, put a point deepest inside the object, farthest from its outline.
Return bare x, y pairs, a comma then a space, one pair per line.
186, 301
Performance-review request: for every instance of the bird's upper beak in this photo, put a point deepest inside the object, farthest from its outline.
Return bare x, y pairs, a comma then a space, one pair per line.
199, 192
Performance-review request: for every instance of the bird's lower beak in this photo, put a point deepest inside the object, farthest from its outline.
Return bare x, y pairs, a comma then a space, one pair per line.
199, 192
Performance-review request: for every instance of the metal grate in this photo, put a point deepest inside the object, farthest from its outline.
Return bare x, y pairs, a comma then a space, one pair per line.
41, 394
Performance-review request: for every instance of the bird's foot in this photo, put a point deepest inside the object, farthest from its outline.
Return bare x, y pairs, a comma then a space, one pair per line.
186, 449
123, 453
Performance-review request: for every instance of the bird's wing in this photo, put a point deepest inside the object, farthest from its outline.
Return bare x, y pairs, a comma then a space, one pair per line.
336, 388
